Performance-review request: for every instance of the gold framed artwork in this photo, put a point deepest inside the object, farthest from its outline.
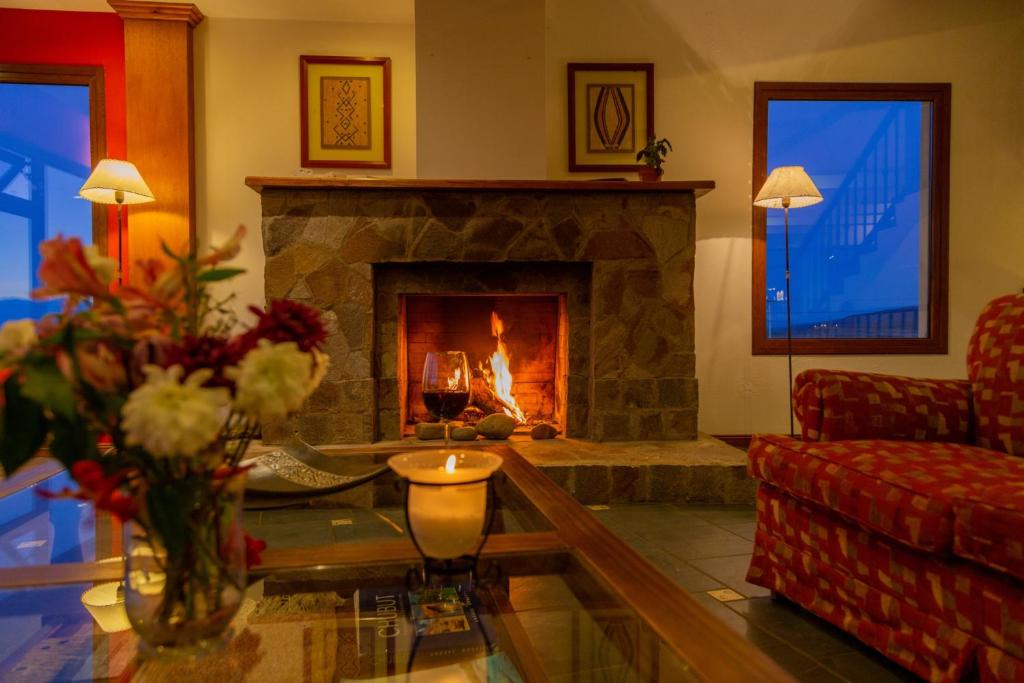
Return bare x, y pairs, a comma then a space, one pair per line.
345, 111
611, 114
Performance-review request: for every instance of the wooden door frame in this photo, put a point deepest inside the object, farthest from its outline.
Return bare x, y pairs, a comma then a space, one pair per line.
69, 74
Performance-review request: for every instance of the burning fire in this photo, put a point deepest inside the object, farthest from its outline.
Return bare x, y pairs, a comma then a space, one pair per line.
455, 381
499, 377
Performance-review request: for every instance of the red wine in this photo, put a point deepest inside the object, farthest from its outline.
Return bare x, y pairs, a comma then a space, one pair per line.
445, 405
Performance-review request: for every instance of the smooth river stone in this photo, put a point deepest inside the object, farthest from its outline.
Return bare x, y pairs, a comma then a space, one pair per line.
543, 431
496, 426
429, 431
464, 434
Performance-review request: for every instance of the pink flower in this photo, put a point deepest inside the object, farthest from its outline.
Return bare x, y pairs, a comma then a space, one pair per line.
254, 548
96, 364
151, 350
227, 251
65, 270
157, 289
102, 366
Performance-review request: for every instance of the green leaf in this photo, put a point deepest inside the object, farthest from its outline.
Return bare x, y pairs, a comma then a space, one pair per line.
24, 427
217, 274
167, 511
45, 384
167, 250
72, 441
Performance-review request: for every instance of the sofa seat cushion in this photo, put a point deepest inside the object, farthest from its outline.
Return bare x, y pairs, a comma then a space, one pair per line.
904, 490
985, 604
990, 530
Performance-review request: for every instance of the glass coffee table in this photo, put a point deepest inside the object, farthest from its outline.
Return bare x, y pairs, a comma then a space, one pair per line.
558, 597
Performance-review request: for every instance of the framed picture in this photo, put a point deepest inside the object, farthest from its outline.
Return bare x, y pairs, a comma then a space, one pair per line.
611, 114
345, 111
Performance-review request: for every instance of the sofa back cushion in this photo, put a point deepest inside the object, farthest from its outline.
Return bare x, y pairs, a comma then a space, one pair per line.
995, 368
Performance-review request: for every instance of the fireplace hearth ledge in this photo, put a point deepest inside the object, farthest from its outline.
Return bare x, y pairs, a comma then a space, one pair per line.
704, 470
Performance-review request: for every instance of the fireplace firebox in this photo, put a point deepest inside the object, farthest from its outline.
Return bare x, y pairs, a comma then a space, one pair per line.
532, 317
517, 345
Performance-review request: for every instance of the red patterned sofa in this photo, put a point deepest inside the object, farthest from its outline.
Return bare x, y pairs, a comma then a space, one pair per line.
899, 516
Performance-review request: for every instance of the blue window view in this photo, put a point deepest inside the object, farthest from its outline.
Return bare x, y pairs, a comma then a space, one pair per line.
44, 159
859, 259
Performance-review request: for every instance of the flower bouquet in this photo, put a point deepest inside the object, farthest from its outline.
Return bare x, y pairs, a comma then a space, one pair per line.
149, 393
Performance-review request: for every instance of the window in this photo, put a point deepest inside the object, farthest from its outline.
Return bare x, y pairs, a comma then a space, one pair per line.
868, 264
51, 135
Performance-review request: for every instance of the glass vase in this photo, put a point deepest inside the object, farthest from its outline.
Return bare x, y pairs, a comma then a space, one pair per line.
185, 568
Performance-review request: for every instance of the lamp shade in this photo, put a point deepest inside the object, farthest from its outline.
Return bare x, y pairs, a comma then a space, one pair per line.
788, 182
113, 176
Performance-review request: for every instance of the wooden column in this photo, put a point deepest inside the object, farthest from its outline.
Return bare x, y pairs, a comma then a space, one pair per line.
160, 122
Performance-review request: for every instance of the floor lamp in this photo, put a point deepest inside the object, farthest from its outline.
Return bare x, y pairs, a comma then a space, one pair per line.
116, 182
788, 187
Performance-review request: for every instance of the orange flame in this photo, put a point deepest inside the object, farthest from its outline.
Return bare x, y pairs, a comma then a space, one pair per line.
455, 381
500, 374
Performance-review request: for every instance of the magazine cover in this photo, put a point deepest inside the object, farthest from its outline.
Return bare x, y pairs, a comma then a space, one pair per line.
406, 635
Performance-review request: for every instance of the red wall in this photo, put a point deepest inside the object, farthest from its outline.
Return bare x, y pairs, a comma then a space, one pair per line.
80, 38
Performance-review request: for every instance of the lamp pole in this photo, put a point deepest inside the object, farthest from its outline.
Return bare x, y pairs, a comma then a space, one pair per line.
789, 319
784, 185
119, 200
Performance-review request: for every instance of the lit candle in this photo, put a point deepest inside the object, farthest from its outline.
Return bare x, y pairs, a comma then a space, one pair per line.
447, 498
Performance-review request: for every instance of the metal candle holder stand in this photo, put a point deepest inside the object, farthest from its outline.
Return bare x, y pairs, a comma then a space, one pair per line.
466, 564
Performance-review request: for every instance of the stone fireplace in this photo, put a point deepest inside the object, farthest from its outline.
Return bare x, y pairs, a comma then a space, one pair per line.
591, 284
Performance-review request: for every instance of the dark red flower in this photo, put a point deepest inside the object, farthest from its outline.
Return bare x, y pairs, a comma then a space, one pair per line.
254, 548
102, 490
119, 504
286, 321
90, 477
207, 351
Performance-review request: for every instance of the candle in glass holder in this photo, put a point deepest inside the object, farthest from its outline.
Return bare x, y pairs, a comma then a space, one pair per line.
447, 504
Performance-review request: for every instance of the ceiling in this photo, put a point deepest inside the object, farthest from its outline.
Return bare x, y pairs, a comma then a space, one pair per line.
360, 11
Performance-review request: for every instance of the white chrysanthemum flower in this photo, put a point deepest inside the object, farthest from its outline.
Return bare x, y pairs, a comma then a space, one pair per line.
17, 337
169, 417
104, 266
272, 380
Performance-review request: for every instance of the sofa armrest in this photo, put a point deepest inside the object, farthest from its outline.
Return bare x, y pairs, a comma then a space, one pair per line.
835, 405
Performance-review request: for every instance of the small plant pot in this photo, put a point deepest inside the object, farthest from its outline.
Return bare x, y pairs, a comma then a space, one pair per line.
649, 174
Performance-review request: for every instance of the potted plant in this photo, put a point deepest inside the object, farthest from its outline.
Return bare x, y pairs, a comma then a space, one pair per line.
149, 393
653, 156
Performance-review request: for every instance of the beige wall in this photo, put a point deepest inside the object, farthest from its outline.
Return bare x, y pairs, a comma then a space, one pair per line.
707, 57
481, 69
480, 88
247, 116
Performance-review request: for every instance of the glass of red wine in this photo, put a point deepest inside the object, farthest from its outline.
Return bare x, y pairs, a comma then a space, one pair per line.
446, 385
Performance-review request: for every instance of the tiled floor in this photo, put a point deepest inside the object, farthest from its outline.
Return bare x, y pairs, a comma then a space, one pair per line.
708, 547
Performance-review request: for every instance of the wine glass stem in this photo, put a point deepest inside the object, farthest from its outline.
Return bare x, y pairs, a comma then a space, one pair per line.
444, 421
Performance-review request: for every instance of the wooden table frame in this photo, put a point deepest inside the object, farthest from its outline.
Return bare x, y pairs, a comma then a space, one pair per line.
692, 633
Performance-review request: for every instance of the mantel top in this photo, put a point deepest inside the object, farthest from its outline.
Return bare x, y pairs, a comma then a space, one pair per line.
260, 183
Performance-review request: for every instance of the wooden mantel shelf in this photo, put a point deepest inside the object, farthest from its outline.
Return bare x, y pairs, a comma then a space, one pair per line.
261, 183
